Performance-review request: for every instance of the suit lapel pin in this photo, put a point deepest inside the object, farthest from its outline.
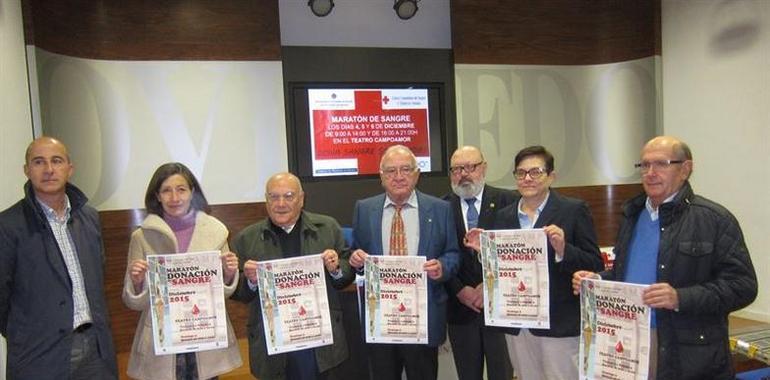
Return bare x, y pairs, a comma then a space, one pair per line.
430, 220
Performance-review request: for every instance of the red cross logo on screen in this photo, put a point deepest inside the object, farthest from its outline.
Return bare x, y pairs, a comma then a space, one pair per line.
385, 99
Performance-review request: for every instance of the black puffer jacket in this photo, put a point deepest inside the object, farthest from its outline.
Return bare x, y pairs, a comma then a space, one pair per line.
704, 257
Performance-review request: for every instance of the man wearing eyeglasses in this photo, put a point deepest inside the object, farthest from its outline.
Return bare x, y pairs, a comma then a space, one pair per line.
549, 354
289, 231
474, 204
404, 221
692, 253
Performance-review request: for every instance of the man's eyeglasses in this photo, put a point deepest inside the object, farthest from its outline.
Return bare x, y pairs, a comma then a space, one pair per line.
534, 173
394, 171
288, 197
645, 166
469, 168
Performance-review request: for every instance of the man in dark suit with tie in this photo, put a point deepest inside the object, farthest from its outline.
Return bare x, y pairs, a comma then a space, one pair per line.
474, 204
404, 221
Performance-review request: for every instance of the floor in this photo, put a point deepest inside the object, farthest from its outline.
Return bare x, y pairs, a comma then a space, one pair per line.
446, 366
241, 373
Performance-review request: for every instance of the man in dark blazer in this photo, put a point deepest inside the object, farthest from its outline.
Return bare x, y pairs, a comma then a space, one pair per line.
429, 231
52, 306
474, 205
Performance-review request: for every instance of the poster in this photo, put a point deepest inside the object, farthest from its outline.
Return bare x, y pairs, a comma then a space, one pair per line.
515, 274
615, 331
396, 295
351, 128
295, 305
187, 302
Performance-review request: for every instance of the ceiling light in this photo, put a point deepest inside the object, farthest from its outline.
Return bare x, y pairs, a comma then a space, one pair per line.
405, 9
321, 8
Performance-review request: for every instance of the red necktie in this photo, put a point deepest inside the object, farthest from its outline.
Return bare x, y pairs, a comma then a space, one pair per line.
397, 235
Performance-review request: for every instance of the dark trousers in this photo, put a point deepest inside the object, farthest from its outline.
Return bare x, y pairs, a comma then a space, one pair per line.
85, 362
472, 343
302, 365
387, 361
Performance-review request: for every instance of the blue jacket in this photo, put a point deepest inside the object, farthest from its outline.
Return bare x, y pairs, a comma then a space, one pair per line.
36, 312
438, 240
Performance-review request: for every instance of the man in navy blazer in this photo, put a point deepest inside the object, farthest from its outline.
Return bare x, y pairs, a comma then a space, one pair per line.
429, 229
474, 204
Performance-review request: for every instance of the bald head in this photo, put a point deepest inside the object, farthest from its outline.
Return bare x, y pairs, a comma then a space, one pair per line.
48, 168
666, 164
285, 178
467, 170
397, 150
285, 199
399, 173
49, 141
469, 152
677, 147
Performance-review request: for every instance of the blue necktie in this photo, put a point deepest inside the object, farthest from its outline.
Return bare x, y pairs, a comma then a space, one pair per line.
473, 215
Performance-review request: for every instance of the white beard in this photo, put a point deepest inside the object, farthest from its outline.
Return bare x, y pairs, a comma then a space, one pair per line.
468, 189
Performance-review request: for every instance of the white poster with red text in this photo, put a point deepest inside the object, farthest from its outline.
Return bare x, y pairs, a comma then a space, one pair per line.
187, 302
295, 305
351, 128
396, 300
515, 275
615, 331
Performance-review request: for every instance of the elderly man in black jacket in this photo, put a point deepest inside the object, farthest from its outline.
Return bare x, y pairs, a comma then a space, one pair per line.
691, 250
290, 231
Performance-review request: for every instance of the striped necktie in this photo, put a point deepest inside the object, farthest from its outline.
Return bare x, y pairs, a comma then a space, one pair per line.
397, 235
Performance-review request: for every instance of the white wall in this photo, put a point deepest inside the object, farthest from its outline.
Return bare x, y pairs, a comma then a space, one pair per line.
716, 97
15, 120
589, 116
122, 119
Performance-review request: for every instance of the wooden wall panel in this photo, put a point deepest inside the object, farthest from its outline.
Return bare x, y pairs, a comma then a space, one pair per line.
554, 32
155, 30
605, 203
117, 226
